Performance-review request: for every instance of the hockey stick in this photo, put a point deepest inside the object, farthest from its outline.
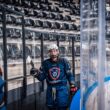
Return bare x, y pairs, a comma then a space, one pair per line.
32, 65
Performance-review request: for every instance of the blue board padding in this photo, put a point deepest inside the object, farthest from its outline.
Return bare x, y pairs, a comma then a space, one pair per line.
3, 108
75, 104
90, 90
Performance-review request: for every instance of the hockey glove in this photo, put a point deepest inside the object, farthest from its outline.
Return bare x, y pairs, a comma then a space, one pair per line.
73, 89
33, 71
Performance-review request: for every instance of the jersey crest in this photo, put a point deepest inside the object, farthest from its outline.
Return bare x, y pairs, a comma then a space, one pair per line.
54, 73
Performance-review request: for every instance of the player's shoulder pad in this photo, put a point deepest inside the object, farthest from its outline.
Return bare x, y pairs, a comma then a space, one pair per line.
63, 60
45, 61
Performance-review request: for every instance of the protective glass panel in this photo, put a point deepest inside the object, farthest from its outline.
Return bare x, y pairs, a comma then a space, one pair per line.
1, 44
89, 54
14, 58
33, 53
63, 45
14, 48
48, 38
107, 75
94, 77
33, 48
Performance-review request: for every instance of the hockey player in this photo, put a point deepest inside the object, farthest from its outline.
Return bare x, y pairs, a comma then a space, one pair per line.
57, 72
2, 82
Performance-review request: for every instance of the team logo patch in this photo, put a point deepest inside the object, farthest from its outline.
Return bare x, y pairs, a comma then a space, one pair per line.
54, 73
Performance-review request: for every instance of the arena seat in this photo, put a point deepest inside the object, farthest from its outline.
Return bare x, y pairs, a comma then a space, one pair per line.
12, 50
62, 37
77, 51
29, 22
67, 18
37, 35
55, 25
35, 13
15, 33
38, 23
65, 26
26, 4
47, 24
72, 27
33, 5
1, 34
41, 14
59, 17
52, 37
18, 21
9, 32
28, 34
45, 36
55, 9
62, 51
51, 15
37, 51
0, 17
18, 33
45, 51
10, 19
17, 9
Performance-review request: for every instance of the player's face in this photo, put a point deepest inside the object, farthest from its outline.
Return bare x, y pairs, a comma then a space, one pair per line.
53, 53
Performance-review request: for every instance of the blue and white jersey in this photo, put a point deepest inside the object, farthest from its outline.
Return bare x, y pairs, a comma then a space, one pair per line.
56, 72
